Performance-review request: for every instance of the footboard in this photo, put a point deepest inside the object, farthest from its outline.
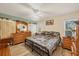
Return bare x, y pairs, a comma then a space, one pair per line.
41, 50
36, 47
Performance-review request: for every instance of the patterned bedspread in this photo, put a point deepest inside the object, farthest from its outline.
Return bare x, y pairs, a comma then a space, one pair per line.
47, 42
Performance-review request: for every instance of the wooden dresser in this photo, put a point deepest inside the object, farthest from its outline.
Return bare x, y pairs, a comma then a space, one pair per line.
20, 37
77, 39
67, 43
4, 47
70, 44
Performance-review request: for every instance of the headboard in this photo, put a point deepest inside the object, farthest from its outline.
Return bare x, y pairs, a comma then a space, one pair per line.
49, 33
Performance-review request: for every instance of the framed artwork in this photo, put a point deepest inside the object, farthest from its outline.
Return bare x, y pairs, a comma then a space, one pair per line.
49, 22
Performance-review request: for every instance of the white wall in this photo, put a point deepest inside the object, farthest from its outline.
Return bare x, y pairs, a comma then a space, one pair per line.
58, 23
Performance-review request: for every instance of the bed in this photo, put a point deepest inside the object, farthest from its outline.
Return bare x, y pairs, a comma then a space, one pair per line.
44, 44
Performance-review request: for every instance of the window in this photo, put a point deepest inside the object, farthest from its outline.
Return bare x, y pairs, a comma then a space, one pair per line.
32, 28
70, 28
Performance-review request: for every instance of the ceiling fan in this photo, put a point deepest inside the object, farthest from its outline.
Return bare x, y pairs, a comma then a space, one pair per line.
36, 10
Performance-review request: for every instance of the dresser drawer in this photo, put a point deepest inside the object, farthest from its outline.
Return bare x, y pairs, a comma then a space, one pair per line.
67, 43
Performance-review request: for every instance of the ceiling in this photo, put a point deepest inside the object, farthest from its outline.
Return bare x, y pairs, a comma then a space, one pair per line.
37, 11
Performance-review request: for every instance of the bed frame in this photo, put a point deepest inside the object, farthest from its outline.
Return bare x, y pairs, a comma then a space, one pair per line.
36, 47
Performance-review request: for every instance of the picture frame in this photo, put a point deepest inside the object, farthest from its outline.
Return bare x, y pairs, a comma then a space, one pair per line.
49, 22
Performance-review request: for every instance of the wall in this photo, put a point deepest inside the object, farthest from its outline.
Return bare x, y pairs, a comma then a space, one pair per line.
58, 23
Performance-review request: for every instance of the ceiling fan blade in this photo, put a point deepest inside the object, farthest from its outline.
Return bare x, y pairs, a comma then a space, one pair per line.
31, 7
35, 10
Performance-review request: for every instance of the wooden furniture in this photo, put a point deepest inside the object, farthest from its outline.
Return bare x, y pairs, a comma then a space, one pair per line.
75, 41
20, 37
21, 32
5, 51
73, 49
4, 47
67, 43
77, 38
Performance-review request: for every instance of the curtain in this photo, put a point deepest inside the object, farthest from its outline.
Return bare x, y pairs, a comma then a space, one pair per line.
7, 27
